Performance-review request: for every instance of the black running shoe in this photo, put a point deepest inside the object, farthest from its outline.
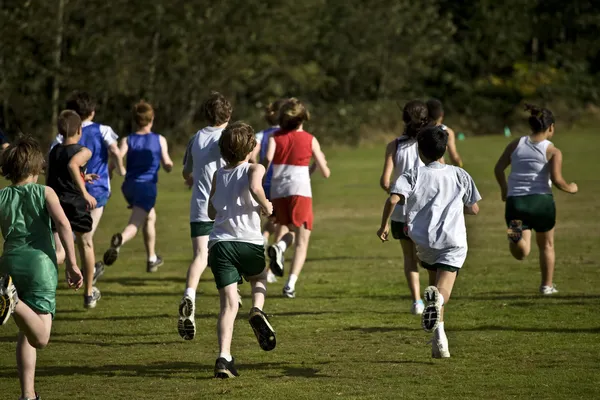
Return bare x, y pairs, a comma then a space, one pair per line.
153, 266
225, 369
515, 230
111, 255
262, 329
98, 271
8, 298
276, 260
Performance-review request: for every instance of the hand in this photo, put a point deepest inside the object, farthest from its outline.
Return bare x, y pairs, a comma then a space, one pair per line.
122, 171
503, 196
91, 201
91, 177
268, 210
573, 188
74, 277
383, 233
189, 181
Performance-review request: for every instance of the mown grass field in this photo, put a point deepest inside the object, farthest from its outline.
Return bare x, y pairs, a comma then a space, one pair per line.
349, 333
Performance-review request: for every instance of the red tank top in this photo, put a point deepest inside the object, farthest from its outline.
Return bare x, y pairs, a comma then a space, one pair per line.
293, 151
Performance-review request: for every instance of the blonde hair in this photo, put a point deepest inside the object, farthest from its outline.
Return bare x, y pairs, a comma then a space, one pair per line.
143, 114
292, 114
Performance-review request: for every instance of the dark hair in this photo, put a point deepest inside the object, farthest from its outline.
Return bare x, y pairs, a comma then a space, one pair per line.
540, 119
216, 109
435, 109
82, 103
415, 117
68, 123
143, 114
236, 142
432, 142
21, 159
292, 114
272, 112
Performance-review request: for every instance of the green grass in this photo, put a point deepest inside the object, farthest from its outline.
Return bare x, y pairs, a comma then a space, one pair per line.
349, 333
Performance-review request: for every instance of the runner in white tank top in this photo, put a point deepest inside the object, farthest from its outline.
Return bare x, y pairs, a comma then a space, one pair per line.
535, 165
402, 155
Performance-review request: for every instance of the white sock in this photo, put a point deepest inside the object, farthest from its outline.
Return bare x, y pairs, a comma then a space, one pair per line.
291, 283
152, 258
226, 356
282, 245
191, 293
270, 274
441, 300
439, 332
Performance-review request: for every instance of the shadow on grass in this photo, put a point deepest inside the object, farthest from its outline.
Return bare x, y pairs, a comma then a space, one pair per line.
91, 317
385, 329
345, 258
135, 281
299, 372
380, 329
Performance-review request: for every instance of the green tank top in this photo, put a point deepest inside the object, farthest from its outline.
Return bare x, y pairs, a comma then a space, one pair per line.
25, 221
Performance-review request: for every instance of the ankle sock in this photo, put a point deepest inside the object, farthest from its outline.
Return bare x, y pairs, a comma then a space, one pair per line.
190, 293
282, 246
226, 356
152, 258
291, 283
439, 332
441, 299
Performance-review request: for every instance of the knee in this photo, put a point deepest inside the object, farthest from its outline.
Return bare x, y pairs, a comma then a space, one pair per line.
151, 219
40, 343
547, 246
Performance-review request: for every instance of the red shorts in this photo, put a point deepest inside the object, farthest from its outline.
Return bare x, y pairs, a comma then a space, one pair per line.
294, 210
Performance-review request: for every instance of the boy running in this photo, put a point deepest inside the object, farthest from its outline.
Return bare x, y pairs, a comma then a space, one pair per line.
201, 160
66, 174
402, 155
290, 150
436, 196
145, 151
28, 269
236, 246
436, 113
535, 165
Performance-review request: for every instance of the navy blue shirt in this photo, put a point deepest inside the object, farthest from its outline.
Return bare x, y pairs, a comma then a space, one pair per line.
2, 138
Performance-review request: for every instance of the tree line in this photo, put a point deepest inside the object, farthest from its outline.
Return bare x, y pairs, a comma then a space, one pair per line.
351, 61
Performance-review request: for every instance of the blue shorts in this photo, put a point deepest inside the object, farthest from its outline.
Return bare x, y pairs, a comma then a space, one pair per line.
267, 189
101, 200
100, 193
140, 194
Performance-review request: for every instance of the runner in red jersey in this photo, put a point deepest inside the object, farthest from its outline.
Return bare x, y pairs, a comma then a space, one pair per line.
290, 151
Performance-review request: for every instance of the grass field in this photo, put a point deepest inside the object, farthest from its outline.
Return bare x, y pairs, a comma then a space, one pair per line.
349, 333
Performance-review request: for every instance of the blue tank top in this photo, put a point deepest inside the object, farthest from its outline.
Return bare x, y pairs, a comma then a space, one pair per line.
91, 138
143, 157
264, 144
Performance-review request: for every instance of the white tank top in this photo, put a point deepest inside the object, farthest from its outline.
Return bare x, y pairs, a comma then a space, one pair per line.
405, 159
530, 171
238, 217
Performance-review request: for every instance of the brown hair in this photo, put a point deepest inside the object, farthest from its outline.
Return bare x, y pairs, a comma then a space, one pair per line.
236, 142
143, 114
292, 114
82, 103
540, 119
216, 109
69, 123
272, 112
416, 117
22, 159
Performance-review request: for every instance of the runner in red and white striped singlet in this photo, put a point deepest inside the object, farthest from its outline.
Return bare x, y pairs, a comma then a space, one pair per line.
290, 151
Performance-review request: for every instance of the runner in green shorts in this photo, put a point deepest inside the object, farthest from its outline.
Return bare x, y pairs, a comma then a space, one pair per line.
28, 269
535, 164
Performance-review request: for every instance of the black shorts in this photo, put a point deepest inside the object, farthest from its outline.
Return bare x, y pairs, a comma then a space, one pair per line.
77, 212
400, 231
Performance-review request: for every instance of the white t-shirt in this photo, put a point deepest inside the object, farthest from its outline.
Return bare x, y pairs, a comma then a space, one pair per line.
108, 135
202, 159
405, 159
238, 217
435, 198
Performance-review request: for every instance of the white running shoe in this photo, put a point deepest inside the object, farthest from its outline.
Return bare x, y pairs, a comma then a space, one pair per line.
417, 307
289, 292
240, 303
439, 346
271, 278
430, 318
548, 290
8, 298
186, 326
276, 259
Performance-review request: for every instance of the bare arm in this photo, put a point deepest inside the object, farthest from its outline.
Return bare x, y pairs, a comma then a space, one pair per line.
75, 164
472, 209
270, 153
388, 209
165, 159
117, 155
452, 152
65, 234
320, 158
556, 172
501, 165
212, 212
255, 156
255, 176
388, 166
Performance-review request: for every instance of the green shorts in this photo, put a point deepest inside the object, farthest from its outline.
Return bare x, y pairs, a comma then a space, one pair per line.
201, 228
230, 261
400, 230
537, 211
436, 266
35, 275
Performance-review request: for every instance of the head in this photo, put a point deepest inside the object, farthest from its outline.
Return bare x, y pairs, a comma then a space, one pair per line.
541, 120
272, 112
143, 114
436, 110
292, 114
415, 117
22, 160
82, 103
237, 142
69, 124
432, 143
217, 109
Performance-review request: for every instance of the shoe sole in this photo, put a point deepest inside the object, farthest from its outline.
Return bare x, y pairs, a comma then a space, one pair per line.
263, 331
94, 303
274, 263
111, 255
515, 230
186, 328
155, 267
224, 374
430, 319
289, 295
7, 300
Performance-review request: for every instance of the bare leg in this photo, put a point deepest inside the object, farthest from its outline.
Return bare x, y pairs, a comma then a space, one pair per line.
445, 283
229, 307
150, 234
284, 234
411, 268
198, 265
302, 239
88, 259
259, 289
96, 217
545, 242
60, 250
522, 248
432, 277
138, 217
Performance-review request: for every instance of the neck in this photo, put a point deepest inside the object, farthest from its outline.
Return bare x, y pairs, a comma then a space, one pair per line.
29, 179
427, 161
144, 129
88, 119
71, 140
538, 137
222, 126
234, 165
